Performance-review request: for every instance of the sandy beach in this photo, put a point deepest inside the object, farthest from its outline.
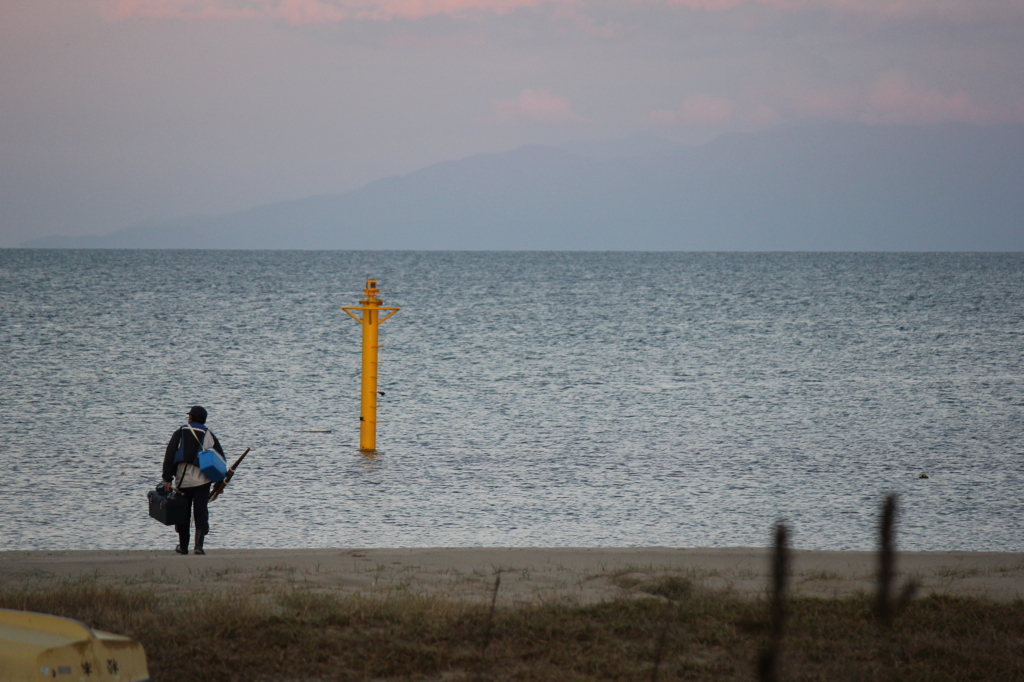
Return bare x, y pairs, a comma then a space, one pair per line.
580, 575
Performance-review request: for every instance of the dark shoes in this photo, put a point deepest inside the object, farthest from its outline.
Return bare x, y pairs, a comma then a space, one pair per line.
182, 547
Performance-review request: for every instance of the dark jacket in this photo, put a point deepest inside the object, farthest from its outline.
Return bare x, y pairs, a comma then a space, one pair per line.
189, 447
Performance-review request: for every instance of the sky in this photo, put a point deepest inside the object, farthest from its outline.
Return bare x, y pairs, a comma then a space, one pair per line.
117, 112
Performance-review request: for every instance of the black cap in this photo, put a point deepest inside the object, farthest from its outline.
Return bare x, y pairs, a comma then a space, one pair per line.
197, 414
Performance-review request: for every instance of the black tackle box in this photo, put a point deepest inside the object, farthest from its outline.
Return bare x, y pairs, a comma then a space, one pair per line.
169, 508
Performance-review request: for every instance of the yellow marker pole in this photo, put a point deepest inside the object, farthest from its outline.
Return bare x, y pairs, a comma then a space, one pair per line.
371, 320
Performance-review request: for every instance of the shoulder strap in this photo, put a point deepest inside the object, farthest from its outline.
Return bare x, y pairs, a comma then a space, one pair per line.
198, 439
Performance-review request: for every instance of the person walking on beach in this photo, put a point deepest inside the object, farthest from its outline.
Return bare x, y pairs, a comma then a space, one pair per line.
180, 467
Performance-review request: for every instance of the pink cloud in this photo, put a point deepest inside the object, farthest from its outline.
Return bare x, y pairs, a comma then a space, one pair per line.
417, 9
584, 23
536, 106
413, 41
946, 9
292, 11
896, 99
308, 11
953, 10
829, 104
330, 11
696, 110
706, 110
710, 5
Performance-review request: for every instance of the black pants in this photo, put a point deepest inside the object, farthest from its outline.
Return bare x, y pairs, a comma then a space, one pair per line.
198, 499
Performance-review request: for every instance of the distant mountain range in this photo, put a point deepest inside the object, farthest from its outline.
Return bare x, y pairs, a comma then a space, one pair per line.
815, 188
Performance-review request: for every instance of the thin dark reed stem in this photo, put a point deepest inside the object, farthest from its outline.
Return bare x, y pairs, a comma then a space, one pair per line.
886, 560
490, 616
768, 665
659, 650
780, 577
885, 608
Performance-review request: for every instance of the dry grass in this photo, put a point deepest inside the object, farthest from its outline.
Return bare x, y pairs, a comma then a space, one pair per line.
288, 634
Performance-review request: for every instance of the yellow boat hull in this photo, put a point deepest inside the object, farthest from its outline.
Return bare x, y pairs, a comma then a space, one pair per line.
36, 646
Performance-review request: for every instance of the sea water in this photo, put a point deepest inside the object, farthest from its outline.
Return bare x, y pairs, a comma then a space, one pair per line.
530, 399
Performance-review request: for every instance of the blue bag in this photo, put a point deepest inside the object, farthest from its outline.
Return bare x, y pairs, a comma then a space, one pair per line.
212, 466
209, 460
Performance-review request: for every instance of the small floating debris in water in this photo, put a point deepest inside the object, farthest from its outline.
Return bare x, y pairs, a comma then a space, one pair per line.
314, 432
923, 475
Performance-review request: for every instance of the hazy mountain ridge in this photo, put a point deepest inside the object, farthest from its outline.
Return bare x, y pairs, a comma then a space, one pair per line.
823, 187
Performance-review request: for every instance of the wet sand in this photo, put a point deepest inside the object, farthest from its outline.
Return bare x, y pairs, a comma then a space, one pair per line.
527, 574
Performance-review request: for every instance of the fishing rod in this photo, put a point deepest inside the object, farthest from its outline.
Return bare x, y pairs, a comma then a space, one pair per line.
218, 487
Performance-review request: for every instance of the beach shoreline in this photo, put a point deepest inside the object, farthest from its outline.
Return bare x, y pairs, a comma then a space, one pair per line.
579, 575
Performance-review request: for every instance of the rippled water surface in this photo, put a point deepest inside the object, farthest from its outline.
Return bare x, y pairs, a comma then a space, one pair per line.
550, 399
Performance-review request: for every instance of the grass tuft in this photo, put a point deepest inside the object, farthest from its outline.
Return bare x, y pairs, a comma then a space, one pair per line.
671, 587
